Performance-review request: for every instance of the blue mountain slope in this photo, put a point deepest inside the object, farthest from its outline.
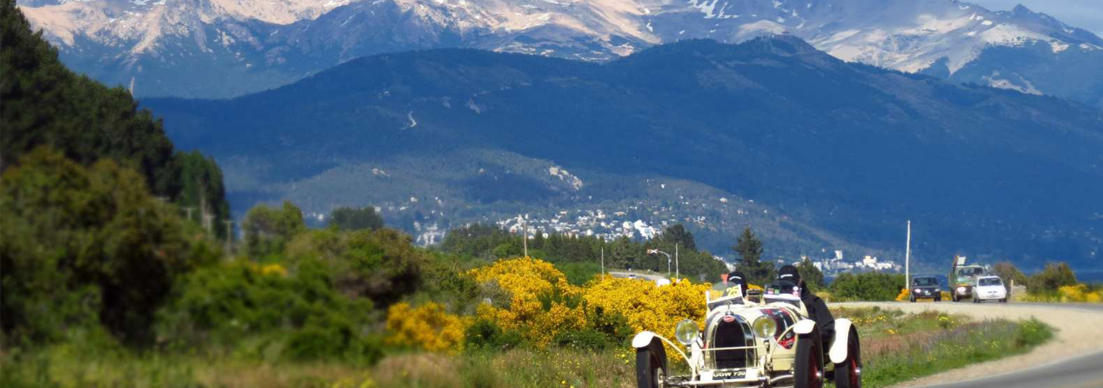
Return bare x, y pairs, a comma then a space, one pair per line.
848, 150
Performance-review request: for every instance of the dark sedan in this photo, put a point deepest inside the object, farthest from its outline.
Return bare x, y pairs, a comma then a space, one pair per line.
925, 287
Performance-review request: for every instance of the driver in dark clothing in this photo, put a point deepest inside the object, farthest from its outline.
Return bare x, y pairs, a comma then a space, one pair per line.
817, 309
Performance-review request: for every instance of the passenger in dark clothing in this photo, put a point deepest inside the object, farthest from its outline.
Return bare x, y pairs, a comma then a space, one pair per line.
817, 308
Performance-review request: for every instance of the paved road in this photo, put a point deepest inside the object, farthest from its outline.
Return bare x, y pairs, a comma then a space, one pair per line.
1074, 359
1078, 372
651, 277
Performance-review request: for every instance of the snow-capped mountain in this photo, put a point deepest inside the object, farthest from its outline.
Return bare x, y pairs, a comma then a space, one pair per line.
228, 47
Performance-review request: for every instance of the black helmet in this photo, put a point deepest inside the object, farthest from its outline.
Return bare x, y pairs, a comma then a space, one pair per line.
789, 273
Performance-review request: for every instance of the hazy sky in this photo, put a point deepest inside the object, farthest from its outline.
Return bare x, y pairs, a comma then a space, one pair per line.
1086, 14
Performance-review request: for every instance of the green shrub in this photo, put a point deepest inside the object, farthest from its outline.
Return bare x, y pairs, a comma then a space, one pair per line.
382, 265
613, 325
1053, 277
487, 335
296, 311
87, 246
870, 286
267, 229
1031, 333
578, 273
586, 339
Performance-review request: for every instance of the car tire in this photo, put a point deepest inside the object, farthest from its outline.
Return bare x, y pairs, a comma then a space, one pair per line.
848, 374
651, 365
938, 299
809, 364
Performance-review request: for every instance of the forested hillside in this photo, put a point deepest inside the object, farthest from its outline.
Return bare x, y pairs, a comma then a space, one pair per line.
46, 104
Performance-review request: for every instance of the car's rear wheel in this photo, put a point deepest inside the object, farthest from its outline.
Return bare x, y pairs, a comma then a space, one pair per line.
651, 365
848, 374
809, 368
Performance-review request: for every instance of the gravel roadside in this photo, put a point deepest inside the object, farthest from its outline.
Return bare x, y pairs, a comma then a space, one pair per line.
1077, 333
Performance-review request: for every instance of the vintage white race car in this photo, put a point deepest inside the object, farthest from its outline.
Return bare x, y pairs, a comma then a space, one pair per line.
755, 341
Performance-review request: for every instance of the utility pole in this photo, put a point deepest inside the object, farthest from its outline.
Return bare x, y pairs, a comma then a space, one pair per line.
677, 273
907, 258
229, 235
525, 236
207, 217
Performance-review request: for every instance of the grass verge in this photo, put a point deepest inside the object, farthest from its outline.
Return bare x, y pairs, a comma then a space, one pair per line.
895, 347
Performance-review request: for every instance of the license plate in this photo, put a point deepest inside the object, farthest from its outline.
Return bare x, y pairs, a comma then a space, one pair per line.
732, 374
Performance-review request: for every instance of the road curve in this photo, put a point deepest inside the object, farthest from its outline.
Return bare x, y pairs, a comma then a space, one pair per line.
1073, 359
651, 277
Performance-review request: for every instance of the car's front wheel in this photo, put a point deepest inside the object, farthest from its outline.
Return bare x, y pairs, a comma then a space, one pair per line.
848, 374
651, 365
809, 368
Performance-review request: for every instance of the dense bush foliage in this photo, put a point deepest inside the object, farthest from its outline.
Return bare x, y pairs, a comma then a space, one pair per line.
267, 228
85, 245
382, 265
871, 286
296, 313
1052, 278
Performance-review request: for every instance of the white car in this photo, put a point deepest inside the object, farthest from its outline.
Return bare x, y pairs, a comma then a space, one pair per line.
767, 341
989, 288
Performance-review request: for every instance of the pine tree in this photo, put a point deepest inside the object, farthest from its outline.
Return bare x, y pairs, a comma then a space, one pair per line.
749, 249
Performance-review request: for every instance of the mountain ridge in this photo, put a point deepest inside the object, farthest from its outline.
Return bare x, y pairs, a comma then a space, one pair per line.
262, 51
846, 149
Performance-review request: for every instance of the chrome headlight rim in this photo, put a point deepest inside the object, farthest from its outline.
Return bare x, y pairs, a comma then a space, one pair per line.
686, 331
764, 327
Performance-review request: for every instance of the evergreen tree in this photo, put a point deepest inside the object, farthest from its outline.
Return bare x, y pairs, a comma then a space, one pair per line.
365, 218
268, 229
749, 249
678, 234
812, 276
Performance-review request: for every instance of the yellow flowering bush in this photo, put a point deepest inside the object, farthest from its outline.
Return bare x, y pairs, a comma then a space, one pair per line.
1080, 293
903, 295
647, 306
428, 326
273, 269
538, 295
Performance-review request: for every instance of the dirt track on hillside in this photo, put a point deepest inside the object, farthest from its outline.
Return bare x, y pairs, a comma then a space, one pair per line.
1079, 332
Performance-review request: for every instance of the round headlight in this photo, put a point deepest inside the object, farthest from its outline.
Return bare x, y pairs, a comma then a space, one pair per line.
764, 327
686, 331
961, 289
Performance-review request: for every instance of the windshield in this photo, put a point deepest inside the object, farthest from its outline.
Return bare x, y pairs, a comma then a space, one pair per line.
991, 282
969, 271
920, 282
